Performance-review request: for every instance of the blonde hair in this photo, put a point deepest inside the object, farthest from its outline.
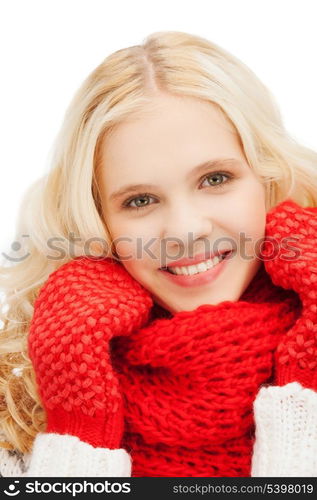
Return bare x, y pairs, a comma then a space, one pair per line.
66, 200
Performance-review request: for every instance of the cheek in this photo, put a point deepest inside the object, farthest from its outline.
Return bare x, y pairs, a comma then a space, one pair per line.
252, 221
257, 210
125, 247
123, 238
244, 216
132, 238
139, 272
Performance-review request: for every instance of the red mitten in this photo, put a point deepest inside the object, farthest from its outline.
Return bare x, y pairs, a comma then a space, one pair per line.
290, 258
82, 305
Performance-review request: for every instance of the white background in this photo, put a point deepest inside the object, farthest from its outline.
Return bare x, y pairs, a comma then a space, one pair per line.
48, 47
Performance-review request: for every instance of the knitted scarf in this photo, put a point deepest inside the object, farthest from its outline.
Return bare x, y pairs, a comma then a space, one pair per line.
190, 380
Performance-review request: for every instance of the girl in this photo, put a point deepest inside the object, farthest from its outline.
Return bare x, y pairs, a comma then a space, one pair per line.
162, 321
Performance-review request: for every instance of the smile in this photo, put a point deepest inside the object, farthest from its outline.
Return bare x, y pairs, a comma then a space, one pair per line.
198, 268
199, 274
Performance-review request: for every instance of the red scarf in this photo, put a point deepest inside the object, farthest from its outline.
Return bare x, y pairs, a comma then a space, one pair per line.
190, 380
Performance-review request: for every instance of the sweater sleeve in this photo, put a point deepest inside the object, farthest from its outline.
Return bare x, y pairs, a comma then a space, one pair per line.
57, 455
285, 432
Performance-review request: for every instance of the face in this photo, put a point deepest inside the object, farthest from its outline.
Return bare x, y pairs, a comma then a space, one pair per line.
195, 195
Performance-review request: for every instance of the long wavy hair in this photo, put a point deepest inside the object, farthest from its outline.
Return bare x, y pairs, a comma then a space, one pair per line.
65, 202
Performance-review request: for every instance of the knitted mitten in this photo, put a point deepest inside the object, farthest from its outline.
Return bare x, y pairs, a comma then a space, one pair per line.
82, 305
290, 255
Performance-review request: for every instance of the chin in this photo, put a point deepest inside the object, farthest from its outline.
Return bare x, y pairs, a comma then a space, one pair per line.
190, 304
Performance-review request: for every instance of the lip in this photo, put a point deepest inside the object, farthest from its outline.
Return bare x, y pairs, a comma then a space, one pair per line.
192, 261
199, 278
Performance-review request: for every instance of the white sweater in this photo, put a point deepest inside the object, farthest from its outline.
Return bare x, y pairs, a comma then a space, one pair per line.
285, 444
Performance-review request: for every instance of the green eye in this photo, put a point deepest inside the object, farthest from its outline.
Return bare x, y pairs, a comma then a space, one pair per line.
143, 197
216, 179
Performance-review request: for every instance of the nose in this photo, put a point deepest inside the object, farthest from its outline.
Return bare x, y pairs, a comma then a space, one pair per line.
184, 228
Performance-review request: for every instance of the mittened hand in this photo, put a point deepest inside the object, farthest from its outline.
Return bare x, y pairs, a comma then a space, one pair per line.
290, 248
291, 232
79, 309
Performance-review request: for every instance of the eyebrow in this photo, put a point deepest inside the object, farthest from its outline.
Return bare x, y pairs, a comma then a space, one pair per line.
218, 162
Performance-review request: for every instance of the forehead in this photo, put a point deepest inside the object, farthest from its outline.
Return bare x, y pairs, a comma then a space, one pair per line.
172, 131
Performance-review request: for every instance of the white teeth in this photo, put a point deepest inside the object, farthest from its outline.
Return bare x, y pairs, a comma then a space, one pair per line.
199, 268
216, 260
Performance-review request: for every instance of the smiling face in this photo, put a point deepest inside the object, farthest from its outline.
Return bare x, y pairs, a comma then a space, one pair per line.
196, 195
